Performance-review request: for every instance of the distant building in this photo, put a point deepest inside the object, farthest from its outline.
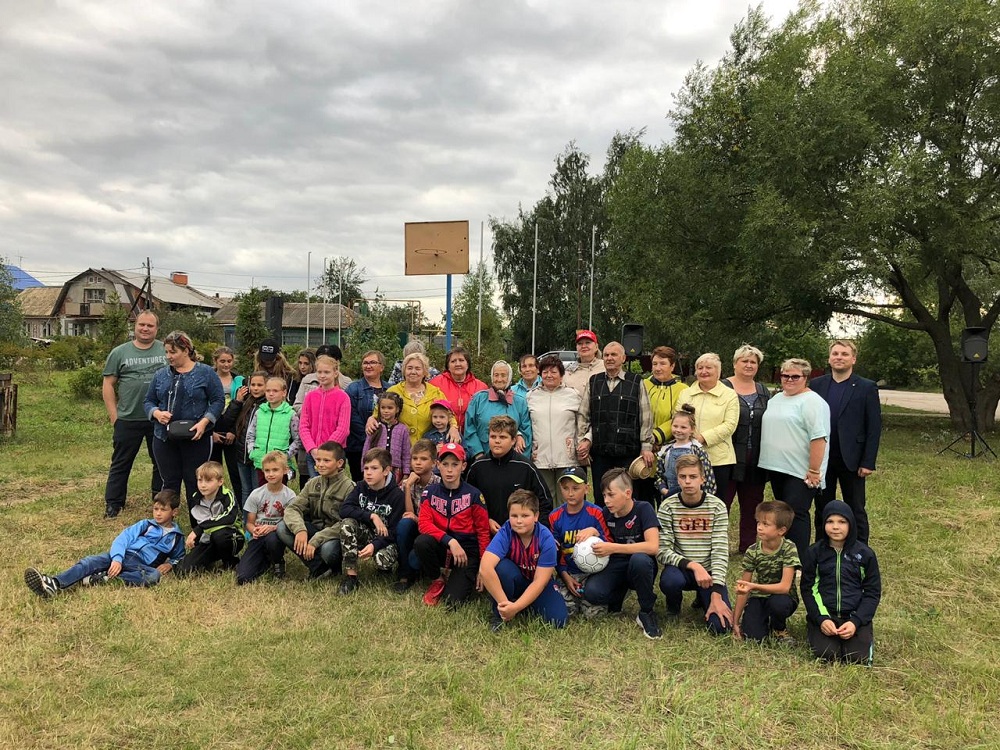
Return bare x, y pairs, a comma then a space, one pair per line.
322, 317
37, 304
22, 279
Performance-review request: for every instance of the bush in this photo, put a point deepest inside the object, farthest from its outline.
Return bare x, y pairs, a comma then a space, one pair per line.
86, 382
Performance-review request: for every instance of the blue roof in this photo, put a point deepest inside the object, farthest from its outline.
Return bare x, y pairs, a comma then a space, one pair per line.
23, 279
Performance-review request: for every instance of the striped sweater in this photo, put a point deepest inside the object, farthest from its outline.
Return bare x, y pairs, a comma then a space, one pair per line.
698, 533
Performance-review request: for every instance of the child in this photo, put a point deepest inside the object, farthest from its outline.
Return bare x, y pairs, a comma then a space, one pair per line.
311, 526
391, 434
326, 411
216, 534
572, 522
273, 427
265, 508
841, 589
504, 470
139, 556
633, 534
694, 547
422, 457
682, 426
517, 566
441, 416
453, 521
236, 419
765, 593
370, 515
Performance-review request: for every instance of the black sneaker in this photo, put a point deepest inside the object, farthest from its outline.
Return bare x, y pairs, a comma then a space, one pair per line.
673, 616
402, 585
349, 585
278, 570
43, 585
496, 623
95, 579
112, 511
647, 621
320, 573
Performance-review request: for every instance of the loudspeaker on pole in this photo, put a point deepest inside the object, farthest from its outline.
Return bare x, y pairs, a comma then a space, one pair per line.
274, 308
632, 334
975, 344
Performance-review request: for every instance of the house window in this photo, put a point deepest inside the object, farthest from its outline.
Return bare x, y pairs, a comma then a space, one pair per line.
93, 279
93, 295
47, 328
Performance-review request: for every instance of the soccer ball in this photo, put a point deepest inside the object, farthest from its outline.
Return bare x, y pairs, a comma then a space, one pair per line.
585, 557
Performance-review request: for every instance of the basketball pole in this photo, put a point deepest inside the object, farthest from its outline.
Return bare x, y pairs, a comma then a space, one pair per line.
447, 316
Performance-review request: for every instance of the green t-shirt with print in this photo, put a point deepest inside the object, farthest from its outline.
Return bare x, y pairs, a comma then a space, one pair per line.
767, 568
134, 368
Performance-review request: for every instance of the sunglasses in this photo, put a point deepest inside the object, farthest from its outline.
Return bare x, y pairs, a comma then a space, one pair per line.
785, 376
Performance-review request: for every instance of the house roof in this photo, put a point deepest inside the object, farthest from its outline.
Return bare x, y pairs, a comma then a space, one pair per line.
164, 290
39, 301
294, 315
23, 279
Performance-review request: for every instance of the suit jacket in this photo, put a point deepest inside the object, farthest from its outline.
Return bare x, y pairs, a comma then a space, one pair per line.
859, 424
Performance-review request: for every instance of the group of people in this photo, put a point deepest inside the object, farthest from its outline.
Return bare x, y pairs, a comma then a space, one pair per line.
469, 485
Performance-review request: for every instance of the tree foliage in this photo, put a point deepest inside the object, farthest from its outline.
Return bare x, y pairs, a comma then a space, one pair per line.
465, 321
114, 325
341, 281
11, 319
250, 328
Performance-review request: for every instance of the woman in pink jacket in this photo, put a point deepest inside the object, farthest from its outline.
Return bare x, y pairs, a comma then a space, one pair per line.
326, 411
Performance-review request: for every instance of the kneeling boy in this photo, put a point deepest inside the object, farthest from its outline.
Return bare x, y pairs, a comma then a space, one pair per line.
265, 508
517, 566
216, 534
139, 556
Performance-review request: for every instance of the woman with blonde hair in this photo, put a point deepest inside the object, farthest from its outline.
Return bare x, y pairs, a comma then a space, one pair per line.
417, 395
717, 413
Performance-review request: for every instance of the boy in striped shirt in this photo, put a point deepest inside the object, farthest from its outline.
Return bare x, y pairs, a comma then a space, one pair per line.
694, 547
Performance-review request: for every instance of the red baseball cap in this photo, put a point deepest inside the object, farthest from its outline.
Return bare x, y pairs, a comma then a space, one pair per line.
585, 334
453, 448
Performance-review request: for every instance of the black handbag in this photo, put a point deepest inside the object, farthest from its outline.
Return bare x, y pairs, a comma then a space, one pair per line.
181, 429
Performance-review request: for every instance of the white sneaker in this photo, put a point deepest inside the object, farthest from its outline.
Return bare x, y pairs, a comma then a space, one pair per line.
43, 585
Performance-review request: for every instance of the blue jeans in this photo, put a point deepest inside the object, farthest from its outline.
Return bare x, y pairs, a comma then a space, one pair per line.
406, 533
311, 466
624, 572
248, 482
674, 581
327, 557
134, 571
549, 605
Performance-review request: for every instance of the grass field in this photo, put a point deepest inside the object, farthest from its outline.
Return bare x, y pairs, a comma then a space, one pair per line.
201, 663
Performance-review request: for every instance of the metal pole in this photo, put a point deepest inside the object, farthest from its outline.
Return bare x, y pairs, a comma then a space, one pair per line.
340, 307
479, 340
534, 292
308, 282
447, 317
326, 293
593, 244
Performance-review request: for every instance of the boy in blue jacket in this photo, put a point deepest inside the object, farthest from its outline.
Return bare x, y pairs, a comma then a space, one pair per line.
841, 589
139, 556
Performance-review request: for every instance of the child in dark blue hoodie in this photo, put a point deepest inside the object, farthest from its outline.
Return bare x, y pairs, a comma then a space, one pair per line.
841, 588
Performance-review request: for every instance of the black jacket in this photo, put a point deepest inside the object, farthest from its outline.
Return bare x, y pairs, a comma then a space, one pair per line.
859, 424
387, 503
497, 478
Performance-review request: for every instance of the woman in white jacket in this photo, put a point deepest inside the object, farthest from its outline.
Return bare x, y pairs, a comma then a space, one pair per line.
560, 425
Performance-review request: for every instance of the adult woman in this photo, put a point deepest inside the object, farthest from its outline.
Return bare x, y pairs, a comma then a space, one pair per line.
559, 424
189, 391
223, 448
747, 479
458, 383
496, 400
717, 412
664, 390
794, 445
527, 366
305, 365
417, 395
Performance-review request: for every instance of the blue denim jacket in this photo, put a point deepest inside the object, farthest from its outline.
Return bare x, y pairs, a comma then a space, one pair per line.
191, 395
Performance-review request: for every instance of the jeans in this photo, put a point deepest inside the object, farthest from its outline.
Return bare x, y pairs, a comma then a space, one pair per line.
674, 581
764, 614
260, 554
406, 533
178, 460
248, 482
134, 571
327, 557
128, 437
624, 572
799, 495
549, 605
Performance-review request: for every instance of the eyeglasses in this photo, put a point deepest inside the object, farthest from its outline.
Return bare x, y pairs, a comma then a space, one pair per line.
370, 363
786, 376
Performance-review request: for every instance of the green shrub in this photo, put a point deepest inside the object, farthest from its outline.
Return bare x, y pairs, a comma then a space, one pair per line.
86, 382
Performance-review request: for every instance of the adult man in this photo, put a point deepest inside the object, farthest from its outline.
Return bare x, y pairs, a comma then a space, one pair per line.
578, 373
130, 367
855, 430
364, 395
621, 419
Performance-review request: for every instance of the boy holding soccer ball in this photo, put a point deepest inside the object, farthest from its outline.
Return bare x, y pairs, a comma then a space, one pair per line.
572, 522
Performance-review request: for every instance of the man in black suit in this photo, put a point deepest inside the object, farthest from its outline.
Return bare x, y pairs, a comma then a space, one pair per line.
855, 430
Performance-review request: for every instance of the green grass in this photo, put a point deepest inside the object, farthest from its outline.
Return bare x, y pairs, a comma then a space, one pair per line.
202, 663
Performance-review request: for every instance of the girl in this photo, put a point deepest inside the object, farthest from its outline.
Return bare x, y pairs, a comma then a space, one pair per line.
326, 411
306, 365
391, 434
236, 420
682, 427
224, 448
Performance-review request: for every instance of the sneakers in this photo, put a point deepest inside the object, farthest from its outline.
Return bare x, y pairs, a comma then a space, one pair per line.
647, 621
783, 638
95, 579
349, 585
402, 585
278, 570
496, 623
43, 585
112, 511
434, 591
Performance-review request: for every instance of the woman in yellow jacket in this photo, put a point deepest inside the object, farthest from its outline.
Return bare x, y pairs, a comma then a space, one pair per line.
717, 413
417, 395
664, 390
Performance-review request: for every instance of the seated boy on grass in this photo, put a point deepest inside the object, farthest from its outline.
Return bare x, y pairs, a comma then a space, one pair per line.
369, 518
311, 526
517, 566
694, 547
422, 457
572, 522
139, 556
264, 510
217, 532
632, 543
765, 592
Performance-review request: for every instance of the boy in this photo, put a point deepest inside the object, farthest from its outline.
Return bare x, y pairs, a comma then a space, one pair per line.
139, 556
765, 593
633, 531
216, 534
517, 566
453, 521
441, 416
503, 471
311, 526
264, 510
841, 589
572, 522
694, 547
370, 515
273, 427
422, 475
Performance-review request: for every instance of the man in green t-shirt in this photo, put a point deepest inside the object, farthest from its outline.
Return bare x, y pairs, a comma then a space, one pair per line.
127, 375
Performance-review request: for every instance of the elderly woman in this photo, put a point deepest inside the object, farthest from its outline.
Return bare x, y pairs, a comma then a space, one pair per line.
417, 395
748, 479
717, 412
560, 422
496, 400
458, 383
664, 390
794, 445
189, 393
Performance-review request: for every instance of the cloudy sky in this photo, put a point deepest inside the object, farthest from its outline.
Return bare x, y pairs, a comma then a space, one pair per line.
230, 139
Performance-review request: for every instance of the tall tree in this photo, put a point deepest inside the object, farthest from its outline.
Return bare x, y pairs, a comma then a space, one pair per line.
465, 321
11, 319
114, 325
342, 280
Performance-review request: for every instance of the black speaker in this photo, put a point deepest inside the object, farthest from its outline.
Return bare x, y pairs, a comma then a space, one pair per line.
632, 339
975, 344
274, 308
